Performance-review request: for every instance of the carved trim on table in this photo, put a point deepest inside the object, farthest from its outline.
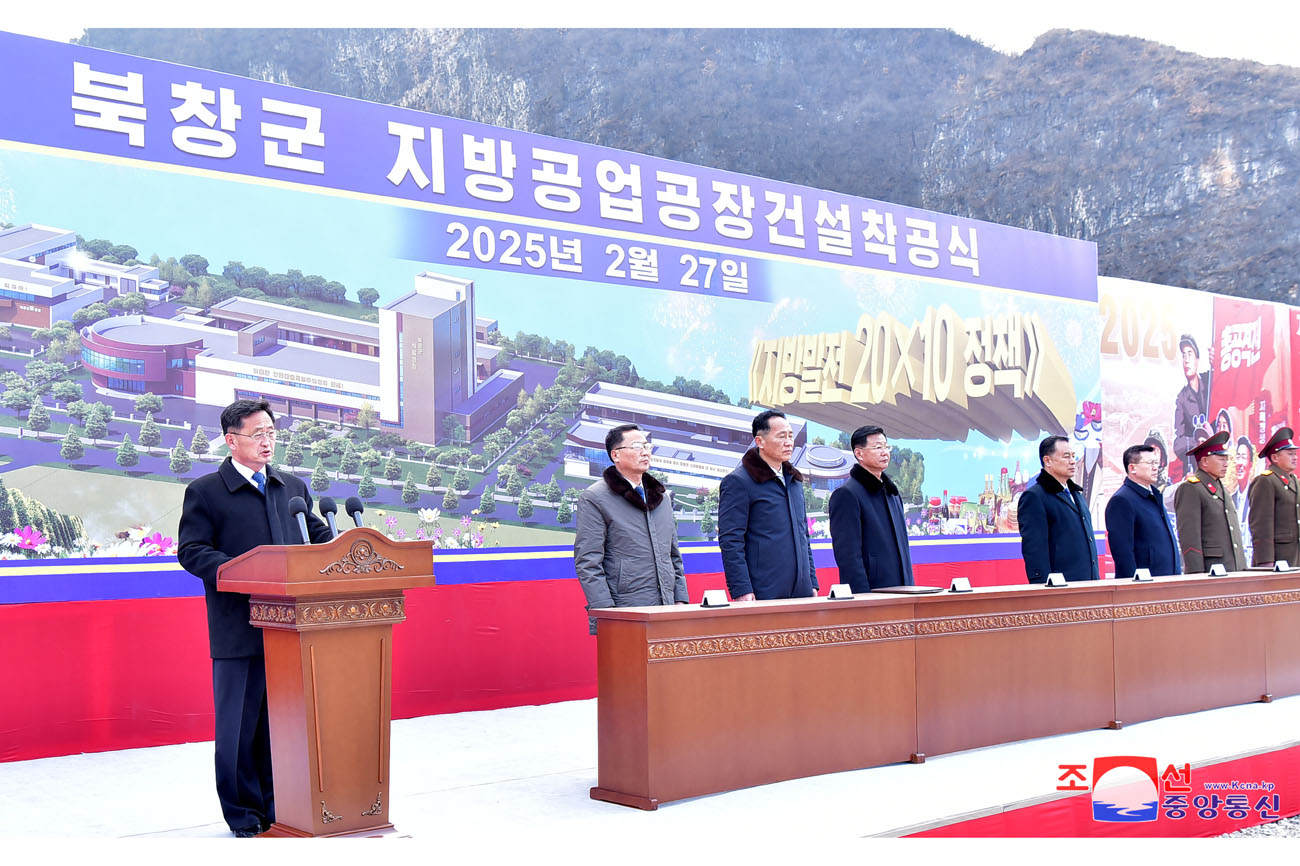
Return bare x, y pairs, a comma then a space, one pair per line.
376, 807
361, 558
798, 638
1025, 619
327, 611
326, 816
1194, 605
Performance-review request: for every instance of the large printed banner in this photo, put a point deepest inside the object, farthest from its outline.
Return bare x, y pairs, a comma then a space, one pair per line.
448, 317
1180, 365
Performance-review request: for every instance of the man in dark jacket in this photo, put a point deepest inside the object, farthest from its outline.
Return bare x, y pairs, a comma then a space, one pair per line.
245, 503
1191, 406
762, 524
625, 550
1055, 527
868, 529
1137, 525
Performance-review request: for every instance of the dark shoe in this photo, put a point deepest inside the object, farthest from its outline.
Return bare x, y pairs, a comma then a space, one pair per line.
247, 832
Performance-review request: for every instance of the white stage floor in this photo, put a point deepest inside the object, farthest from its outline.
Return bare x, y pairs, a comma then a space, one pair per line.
518, 778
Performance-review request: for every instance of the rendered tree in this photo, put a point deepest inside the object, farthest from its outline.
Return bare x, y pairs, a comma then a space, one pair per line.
148, 402
19, 400
96, 426
180, 462
450, 501
349, 462
525, 508
78, 410
320, 479
72, 450
434, 477
707, 525
461, 481
127, 456
39, 417
293, 453
366, 489
66, 392
367, 415
553, 492
515, 487
393, 469
564, 514
150, 435
410, 493
487, 503
198, 443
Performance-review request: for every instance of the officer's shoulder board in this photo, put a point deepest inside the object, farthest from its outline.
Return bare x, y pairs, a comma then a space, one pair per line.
1192, 479
1267, 472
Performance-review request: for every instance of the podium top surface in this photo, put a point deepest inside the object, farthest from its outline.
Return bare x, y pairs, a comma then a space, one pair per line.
360, 561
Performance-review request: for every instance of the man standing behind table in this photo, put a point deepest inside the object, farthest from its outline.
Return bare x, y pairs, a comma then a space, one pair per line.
625, 550
1055, 527
1209, 531
762, 523
1274, 508
868, 529
245, 503
1137, 525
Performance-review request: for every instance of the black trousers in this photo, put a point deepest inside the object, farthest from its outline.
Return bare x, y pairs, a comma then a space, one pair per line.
243, 742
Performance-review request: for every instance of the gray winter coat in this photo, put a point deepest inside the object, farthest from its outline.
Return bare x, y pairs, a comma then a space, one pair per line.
625, 551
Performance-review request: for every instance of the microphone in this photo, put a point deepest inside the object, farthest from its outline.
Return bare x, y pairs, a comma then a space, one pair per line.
354, 509
328, 508
298, 508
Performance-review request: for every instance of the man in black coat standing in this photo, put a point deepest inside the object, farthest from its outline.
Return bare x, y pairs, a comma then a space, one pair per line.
1137, 526
762, 522
1055, 527
868, 529
242, 505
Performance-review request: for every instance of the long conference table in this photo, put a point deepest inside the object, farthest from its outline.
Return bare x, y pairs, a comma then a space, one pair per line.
696, 700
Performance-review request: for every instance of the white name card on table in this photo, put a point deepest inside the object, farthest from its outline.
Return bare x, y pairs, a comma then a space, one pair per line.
960, 584
1143, 574
1217, 570
840, 591
1055, 579
715, 598
1281, 565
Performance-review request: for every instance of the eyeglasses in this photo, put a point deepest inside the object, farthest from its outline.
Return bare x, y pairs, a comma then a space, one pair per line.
640, 448
259, 436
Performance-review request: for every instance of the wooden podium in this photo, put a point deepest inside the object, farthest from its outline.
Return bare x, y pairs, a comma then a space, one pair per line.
326, 612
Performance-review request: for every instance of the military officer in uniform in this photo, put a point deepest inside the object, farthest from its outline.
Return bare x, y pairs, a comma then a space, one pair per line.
1209, 532
1274, 507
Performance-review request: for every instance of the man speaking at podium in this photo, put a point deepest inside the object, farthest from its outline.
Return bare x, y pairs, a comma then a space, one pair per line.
242, 505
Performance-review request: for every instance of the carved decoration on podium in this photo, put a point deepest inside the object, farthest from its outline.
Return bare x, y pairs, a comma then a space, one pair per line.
361, 558
327, 611
376, 807
326, 816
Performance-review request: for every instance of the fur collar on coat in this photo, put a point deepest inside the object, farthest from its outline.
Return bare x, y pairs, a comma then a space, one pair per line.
759, 470
619, 486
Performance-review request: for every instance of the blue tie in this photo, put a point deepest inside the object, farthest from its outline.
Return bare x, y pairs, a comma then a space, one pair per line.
260, 480
640, 491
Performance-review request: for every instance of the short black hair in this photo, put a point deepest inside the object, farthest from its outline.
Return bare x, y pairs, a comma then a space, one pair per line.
232, 417
863, 433
1133, 452
1048, 446
764, 419
614, 438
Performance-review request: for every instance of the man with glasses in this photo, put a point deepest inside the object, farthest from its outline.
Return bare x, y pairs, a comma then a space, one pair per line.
242, 505
625, 551
1274, 508
868, 528
1055, 526
1138, 531
1209, 531
762, 522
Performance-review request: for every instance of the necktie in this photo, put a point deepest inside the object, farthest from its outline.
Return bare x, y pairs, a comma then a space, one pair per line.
260, 480
640, 491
